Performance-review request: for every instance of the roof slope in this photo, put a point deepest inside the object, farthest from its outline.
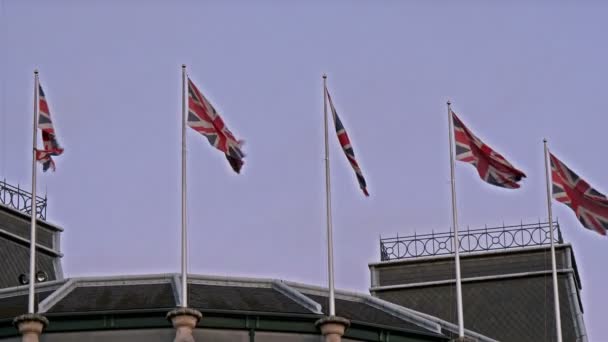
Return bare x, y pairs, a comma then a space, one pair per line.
14, 247
156, 294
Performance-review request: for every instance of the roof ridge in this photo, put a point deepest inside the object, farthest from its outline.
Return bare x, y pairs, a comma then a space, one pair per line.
57, 295
451, 326
399, 312
24, 289
27, 217
26, 243
297, 296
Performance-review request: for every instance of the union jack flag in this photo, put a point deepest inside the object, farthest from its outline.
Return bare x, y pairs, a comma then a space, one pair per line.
589, 205
346, 146
203, 118
491, 166
49, 140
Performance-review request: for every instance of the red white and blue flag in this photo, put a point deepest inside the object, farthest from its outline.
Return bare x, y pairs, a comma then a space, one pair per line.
203, 118
346, 146
49, 139
589, 205
491, 166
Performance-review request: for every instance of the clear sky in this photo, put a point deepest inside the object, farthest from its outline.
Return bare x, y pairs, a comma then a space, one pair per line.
515, 71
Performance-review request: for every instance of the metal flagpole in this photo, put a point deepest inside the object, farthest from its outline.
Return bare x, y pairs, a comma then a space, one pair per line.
330, 247
455, 225
32, 280
184, 301
558, 320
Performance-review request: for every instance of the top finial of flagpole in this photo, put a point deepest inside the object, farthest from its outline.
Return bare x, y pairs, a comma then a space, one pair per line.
324, 76
35, 71
545, 140
183, 66
449, 103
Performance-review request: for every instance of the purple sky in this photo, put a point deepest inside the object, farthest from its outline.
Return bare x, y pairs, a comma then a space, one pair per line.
515, 72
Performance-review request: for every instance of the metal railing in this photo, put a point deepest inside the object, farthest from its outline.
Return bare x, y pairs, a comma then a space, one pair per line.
471, 240
21, 200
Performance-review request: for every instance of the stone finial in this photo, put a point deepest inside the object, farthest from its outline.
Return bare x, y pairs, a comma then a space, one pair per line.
30, 326
184, 321
333, 327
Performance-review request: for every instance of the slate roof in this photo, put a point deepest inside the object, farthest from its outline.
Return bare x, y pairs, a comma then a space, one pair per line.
116, 297
507, 295
13, 301
133, 294
14, 247
260, 299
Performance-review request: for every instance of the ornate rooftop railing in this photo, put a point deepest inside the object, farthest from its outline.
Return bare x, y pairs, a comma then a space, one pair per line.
21, 200
471, 240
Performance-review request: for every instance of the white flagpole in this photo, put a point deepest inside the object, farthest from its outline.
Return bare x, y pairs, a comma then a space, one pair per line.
455, 225
330, 247
558, 320
184, 301
32, 275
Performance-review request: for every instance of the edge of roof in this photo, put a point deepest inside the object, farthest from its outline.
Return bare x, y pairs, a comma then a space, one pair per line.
465, 255
26, 242
292, 290
27, 217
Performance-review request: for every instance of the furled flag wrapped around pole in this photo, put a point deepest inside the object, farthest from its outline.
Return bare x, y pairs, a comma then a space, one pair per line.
491, 166
346, 145
203, 118
49, 139
589, 205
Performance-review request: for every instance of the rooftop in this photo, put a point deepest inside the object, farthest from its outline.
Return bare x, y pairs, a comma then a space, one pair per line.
112, 302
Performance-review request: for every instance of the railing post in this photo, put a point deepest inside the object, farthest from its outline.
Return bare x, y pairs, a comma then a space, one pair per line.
398, 250
19, 198
504, 235
544, 233
381, 247
468, 238
415, 244
486, 234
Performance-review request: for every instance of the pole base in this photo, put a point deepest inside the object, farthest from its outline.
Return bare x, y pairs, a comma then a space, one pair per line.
30, 326
184, 321
332, 327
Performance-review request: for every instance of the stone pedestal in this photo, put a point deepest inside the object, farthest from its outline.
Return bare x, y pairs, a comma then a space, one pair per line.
30, 326
332, 327
184, 321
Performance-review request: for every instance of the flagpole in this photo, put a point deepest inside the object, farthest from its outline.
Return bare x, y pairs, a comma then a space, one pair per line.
33, 207
184, 299
558, 320
330, 247
455, 225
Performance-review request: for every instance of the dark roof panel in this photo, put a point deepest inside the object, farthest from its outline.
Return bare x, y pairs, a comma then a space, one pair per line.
15, 223
260, 299
15, 260
11, 307
117, 297
518, 309
362, 312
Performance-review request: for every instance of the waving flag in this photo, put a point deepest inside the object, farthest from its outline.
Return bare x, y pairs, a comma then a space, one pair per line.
491, 166
203, 118
346, 146
49, 140
589, 205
